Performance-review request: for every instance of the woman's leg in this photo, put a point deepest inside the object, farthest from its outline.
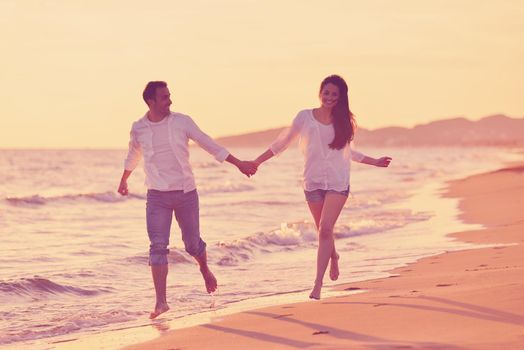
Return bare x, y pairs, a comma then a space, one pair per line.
316, 212
333, 204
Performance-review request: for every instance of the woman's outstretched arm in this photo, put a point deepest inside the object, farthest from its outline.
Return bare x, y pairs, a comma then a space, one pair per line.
281, 143
359, 157
382, 162
264, 156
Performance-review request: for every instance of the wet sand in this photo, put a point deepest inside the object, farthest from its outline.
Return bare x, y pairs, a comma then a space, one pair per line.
471, 299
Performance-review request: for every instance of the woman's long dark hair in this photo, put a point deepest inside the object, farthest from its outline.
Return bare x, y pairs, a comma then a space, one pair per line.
343, 120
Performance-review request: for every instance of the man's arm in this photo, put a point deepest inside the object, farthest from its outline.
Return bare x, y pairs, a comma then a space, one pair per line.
122, 188
205, 141
220, 153
134, 154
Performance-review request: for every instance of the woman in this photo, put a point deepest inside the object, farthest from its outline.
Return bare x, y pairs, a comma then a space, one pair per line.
325, 136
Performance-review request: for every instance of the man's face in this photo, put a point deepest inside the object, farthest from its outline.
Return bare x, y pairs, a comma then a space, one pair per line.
160, 104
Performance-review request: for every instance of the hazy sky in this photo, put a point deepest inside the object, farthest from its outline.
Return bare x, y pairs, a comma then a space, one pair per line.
73, 71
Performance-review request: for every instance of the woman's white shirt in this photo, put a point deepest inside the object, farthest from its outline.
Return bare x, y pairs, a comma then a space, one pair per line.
324, 168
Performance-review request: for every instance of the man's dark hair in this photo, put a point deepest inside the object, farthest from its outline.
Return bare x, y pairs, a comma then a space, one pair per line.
150, 90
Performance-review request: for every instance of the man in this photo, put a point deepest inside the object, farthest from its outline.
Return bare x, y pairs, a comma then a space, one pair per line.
162, 137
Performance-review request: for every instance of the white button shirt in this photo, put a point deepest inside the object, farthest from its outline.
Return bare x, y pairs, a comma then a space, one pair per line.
181, 128
324, 168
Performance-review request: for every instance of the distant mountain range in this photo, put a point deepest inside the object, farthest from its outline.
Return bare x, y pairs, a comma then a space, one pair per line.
495, 130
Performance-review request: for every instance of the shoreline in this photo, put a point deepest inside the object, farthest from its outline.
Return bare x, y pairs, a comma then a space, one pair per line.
163, 333
468, 299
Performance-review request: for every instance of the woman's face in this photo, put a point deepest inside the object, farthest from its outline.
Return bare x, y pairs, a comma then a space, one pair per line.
329, 95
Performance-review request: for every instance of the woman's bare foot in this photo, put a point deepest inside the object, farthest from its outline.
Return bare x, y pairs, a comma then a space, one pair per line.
211, 281
159, 309
315, 293
333, 268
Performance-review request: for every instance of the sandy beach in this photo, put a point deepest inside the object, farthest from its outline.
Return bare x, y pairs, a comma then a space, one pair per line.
471, 299
232, 109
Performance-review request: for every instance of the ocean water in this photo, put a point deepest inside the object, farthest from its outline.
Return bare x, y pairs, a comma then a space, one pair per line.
74, 253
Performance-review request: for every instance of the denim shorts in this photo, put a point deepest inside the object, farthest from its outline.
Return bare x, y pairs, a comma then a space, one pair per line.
159, 215
320, 195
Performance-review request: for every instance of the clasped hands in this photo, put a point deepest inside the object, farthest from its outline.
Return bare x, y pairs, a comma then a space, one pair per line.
247, 167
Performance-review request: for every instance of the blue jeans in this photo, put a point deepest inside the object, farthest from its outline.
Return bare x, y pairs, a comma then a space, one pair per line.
320, 195
159, 215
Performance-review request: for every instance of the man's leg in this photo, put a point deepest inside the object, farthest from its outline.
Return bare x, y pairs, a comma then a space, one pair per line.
159, 216
159, 273
187, 216
209, 278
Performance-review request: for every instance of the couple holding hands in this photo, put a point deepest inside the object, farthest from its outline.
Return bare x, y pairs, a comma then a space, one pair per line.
162, 137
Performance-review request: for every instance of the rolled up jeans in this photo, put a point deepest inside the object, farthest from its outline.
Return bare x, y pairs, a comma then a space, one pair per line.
159, 215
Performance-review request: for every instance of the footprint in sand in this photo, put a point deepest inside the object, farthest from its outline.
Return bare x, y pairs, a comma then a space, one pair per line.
280, 316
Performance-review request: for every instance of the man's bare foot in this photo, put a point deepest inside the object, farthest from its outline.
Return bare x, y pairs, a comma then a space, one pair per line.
333, 268
211, 281
315, 293
159, 309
